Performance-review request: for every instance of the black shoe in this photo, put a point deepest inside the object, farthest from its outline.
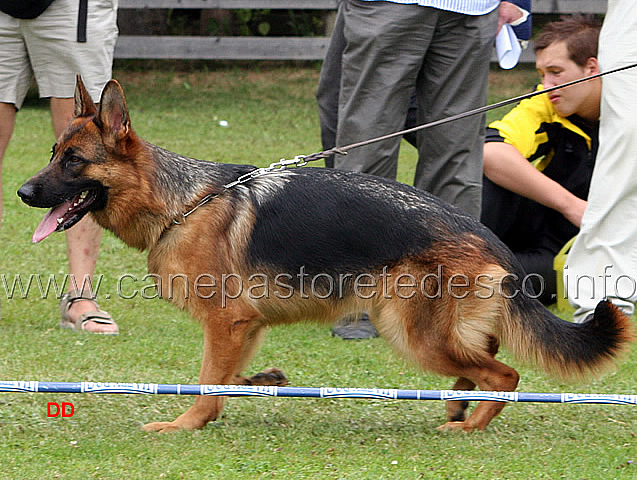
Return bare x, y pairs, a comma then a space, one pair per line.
353, 328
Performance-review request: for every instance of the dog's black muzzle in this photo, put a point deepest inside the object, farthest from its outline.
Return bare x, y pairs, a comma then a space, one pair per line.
29, 194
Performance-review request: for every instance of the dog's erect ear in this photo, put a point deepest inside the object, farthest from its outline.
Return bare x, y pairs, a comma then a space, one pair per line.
112, 115
84, 106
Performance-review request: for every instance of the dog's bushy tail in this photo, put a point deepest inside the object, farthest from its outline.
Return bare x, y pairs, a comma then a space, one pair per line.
564, 349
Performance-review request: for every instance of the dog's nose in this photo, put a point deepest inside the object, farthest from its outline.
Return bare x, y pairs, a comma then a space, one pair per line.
26, 193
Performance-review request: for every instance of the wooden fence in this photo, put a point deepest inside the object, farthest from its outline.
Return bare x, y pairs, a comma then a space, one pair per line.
270, 48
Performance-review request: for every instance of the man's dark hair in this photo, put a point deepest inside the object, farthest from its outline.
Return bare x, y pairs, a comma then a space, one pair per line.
580, 32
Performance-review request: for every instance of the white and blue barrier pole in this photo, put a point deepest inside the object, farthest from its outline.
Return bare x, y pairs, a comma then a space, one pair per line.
14, 386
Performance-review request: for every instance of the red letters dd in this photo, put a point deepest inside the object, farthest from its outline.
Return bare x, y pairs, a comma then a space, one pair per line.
53, 409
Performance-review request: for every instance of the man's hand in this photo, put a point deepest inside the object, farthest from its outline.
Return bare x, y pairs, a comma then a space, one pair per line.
508, 13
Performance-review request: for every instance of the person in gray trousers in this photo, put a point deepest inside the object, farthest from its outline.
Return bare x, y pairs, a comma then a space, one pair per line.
391, 64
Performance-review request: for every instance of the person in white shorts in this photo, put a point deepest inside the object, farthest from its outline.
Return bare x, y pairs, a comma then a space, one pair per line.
70, 37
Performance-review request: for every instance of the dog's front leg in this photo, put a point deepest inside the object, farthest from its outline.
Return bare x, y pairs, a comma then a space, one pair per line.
225, 342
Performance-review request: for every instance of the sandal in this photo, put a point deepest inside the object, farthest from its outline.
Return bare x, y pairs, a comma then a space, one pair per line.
97, 316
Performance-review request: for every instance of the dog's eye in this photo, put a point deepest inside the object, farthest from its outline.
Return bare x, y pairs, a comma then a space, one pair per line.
71, 157
72, 160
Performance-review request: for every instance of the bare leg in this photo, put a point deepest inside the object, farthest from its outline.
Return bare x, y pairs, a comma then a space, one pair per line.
83, 240
7, 121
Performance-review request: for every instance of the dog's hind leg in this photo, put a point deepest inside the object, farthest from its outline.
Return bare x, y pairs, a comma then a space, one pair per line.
491, 375
227, 338
456, 408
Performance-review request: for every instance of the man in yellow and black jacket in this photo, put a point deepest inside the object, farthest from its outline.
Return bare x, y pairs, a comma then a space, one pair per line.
538, 159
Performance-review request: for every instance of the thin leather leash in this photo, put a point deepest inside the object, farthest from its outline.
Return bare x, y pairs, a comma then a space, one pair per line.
345, 149
301, 160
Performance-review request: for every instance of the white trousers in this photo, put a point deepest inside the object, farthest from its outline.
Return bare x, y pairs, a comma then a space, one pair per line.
603, 260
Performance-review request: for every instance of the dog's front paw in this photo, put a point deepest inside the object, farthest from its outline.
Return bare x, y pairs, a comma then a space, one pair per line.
161, 427
271, 376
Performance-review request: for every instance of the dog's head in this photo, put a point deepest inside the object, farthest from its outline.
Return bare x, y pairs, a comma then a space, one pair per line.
76, 180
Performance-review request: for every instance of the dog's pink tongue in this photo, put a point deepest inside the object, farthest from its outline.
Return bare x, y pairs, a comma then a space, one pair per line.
49, 223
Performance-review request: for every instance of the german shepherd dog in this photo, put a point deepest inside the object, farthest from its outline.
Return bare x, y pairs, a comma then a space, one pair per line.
312, 244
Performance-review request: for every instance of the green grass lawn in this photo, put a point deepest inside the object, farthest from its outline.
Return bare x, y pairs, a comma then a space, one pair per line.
271, 114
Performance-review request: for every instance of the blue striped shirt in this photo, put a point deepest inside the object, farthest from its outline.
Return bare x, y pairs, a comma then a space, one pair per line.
467, 7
